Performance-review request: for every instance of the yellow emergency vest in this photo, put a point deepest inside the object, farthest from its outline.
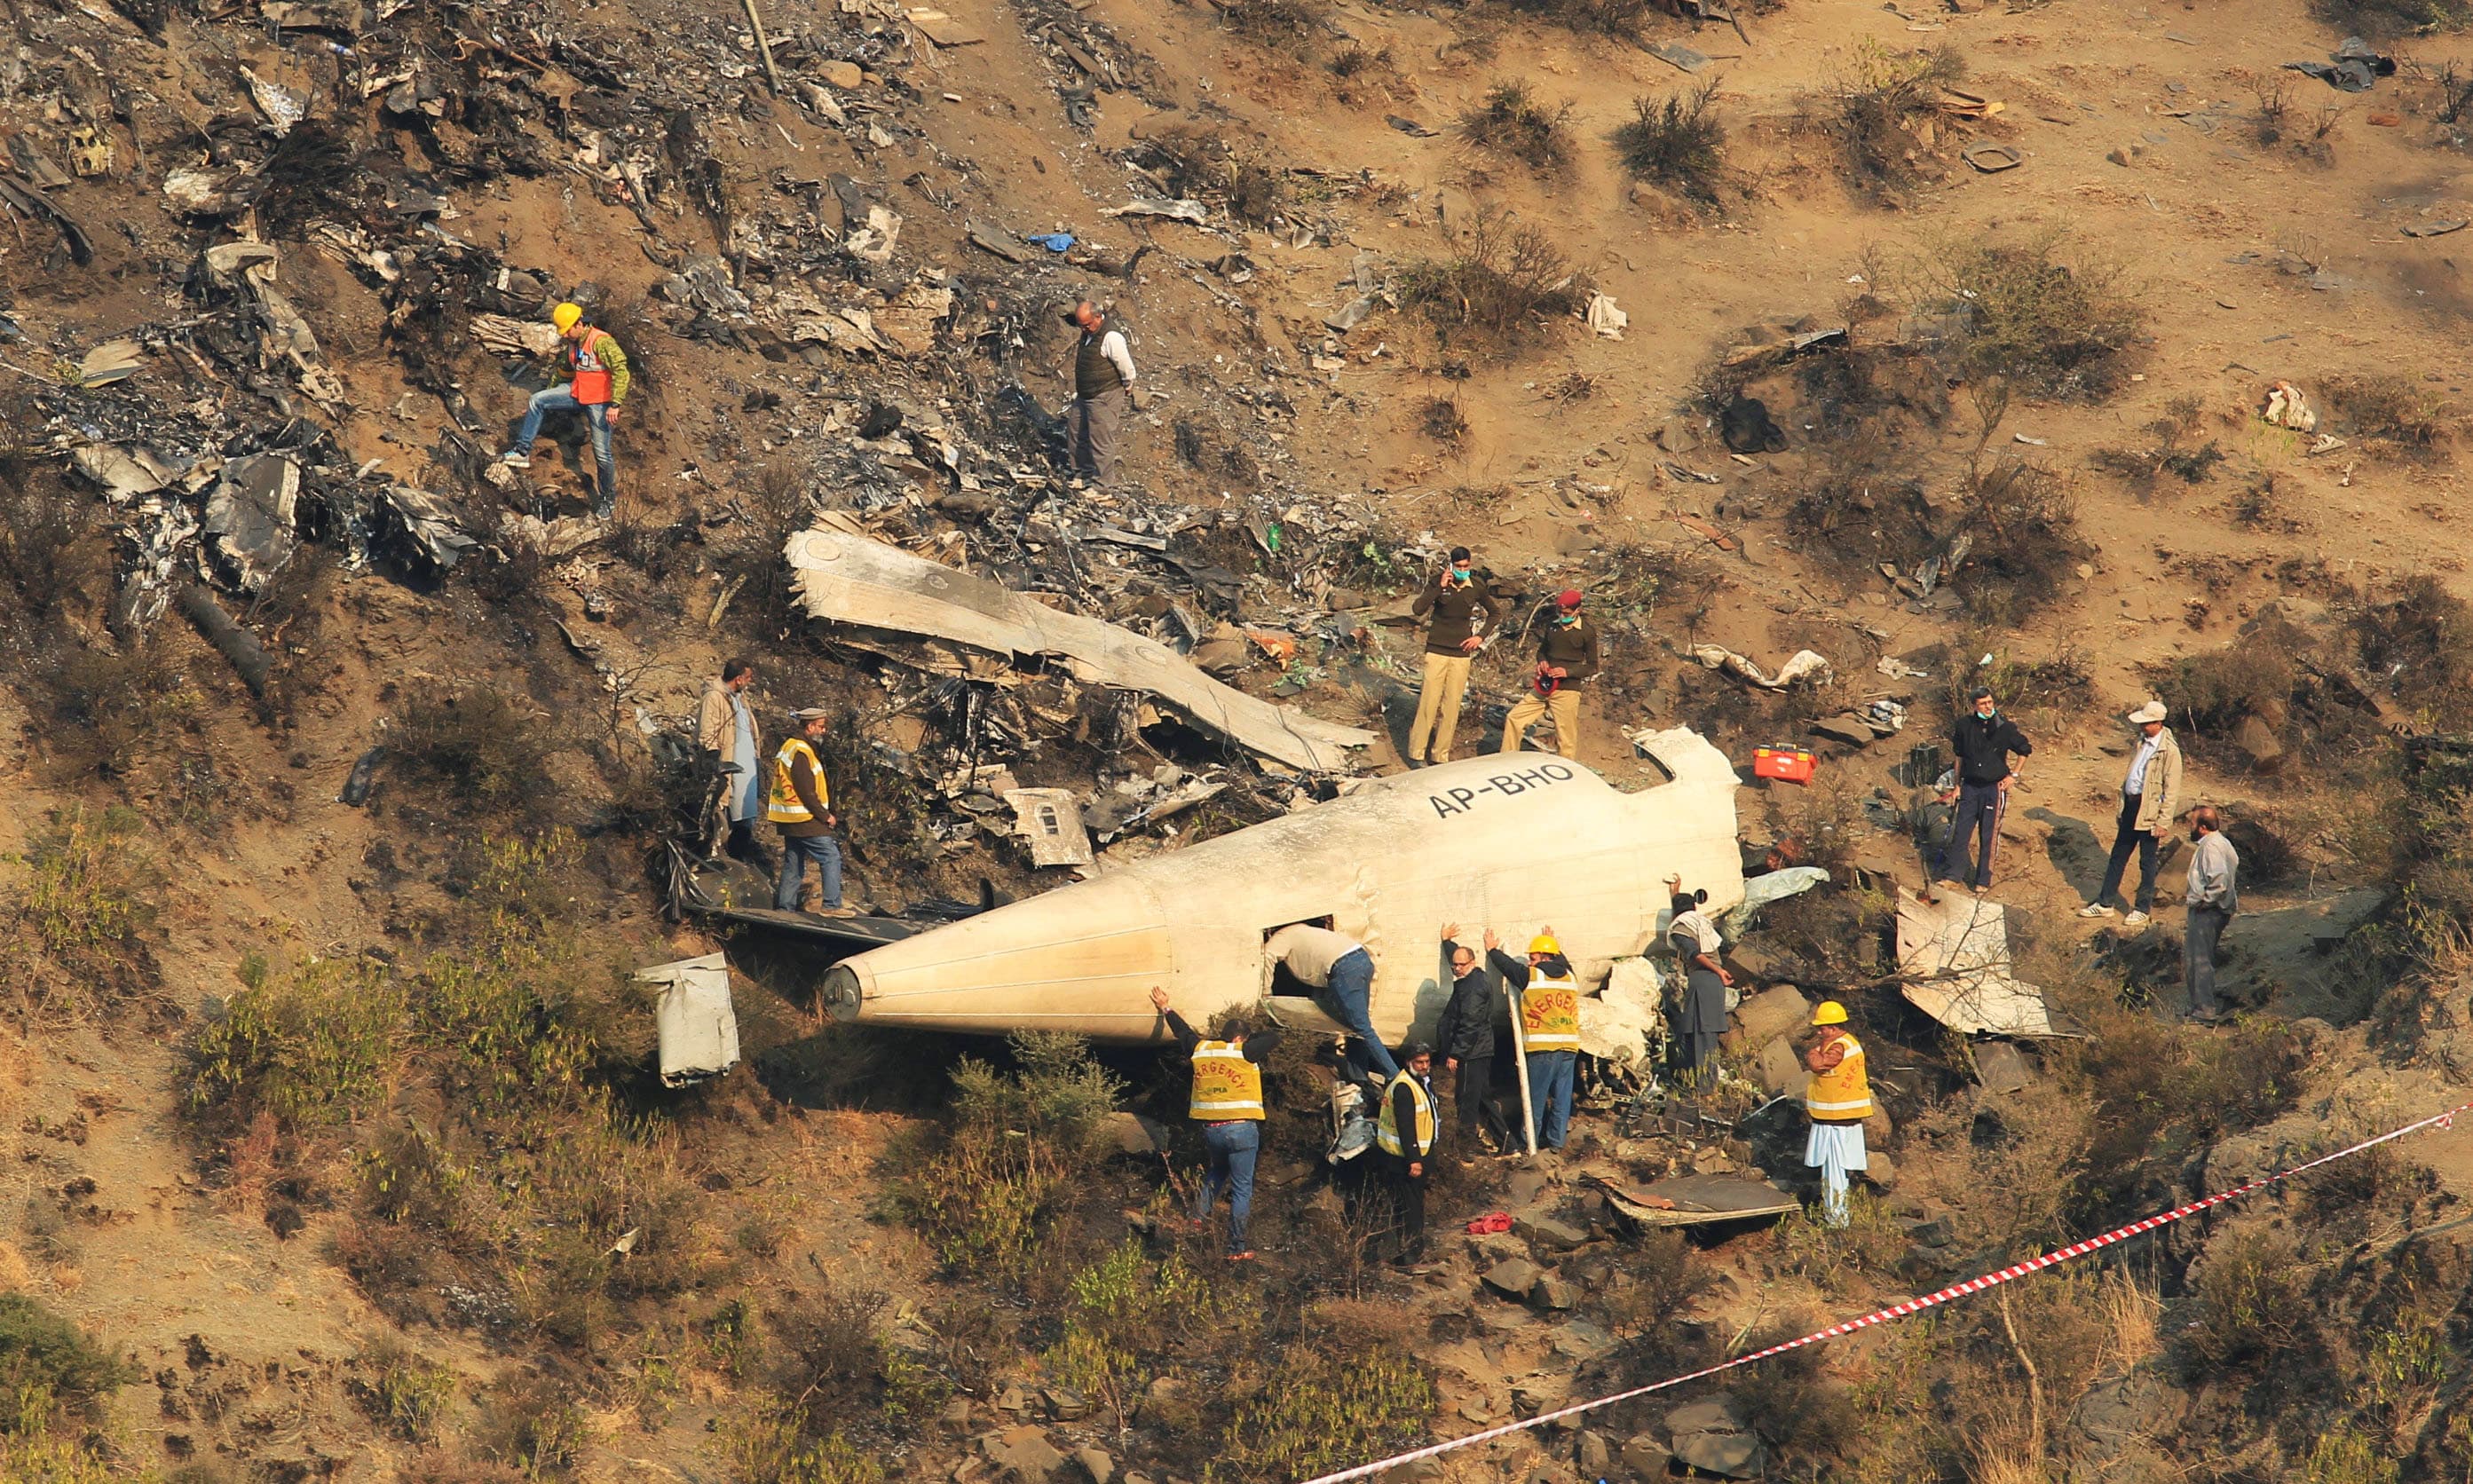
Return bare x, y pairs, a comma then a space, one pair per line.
785, 806
1549, 1013
1226, 1087
1842, 1094
1386, 1132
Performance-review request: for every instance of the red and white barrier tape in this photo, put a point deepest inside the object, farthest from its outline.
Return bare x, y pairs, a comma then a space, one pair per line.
1972, 1285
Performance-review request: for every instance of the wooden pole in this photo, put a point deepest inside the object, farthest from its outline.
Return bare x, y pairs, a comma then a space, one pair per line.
764, 47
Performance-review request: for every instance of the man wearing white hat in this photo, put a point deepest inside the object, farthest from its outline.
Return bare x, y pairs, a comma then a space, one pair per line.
2151, 800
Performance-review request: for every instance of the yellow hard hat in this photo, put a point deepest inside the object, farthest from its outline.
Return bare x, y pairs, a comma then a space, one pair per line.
567, 317
1544, 942
1829, 1012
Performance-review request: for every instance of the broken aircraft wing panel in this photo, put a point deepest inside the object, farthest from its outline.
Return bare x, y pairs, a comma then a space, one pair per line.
1958, 951
1515, 844
853, 580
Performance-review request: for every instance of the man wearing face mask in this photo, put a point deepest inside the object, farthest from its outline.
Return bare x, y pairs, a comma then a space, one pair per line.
1457, 609
1566, 658
2212, 897
1983, 741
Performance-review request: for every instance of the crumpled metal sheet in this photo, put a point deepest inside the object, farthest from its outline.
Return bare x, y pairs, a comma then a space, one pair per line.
697, 1024
1626, 1021
1959, 951
249, 516
853, 580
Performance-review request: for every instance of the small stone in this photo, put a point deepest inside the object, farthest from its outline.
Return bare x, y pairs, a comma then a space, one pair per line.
844, 74
1065, 1404
1339, 600
1935, 1233
1023, 1454
1646, 1458
2086, 571
1594, 1454
1097, 1466
1553, 1295
1880, 1171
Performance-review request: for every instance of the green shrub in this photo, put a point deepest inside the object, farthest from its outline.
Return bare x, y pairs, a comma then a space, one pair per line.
1676, 143
316, 1046
1126, 1313
1323, 1410
2250, 1302
2342, 1455
2022, 315
765, 1447
48, 1368
89, 902
408, 1394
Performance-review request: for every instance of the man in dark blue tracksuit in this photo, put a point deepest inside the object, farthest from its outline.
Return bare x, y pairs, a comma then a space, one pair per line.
1983, 740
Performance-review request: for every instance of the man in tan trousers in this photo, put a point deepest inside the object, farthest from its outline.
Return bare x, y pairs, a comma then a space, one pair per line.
1456, 606
1566, 658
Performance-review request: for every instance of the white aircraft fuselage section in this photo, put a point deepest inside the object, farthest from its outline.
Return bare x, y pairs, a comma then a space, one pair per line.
1515, 842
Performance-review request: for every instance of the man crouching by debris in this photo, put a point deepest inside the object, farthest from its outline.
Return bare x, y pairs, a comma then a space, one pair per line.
595, 384
799, 806
1227, 1101
1103, 393
1837, 1101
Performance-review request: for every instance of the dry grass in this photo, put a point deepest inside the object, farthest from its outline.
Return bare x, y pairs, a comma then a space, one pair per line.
1509, 280
1870, 110
2023, 314
1676, 143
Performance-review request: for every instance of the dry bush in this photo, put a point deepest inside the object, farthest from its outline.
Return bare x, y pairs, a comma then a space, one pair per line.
2420, 637
2054, 691
1870, 110
1439, 418
1792, 1402
49, 547
1676, 143
1197, 161
1514, 122
2021, 314
1506, 282
2028, 546
2390, 408
1294, 26
2169, 451
2382, 20
1364, 76
1621, 18
492, 747
2213, 691
116, 713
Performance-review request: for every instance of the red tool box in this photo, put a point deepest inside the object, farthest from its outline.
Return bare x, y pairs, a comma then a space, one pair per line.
1794, 765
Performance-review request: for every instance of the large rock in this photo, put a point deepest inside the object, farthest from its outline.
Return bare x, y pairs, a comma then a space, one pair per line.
1097, 1466
1715, 1414
1133, 1133
1550, 1234
1761, 1018
1022, 1454
1513, 1278
1553, 1295
2000, 1067
1781, 1070
1595, 1455
1880, 1171
2260, 744
1220, 657
1849, 730
1732, 1456
1646, 1458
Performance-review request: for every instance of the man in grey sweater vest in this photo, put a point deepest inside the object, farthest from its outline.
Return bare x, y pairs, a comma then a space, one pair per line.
2212, 898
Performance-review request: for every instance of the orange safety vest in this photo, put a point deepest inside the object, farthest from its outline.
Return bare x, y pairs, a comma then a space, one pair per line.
1226, 1087
592, 384
1549, 1013
1842, 1094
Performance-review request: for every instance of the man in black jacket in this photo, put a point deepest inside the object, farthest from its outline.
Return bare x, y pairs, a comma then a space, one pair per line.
1983, 741
1406, 1137
1466, 1035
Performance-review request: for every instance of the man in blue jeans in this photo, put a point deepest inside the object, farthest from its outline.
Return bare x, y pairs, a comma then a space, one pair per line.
1339, 965
595, 384
1545, 994
800, 807
1228, 1101
1983, 741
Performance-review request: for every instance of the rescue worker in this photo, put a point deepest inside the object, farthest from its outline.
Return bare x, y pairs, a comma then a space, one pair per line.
1696, 945
1405, 1132
1227, 1101
800, 807
595, 384
1456, 607
1104, 391
1337, 964
725, 727
1466, 1033
1548, 997
1567, 656
1837, 1101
